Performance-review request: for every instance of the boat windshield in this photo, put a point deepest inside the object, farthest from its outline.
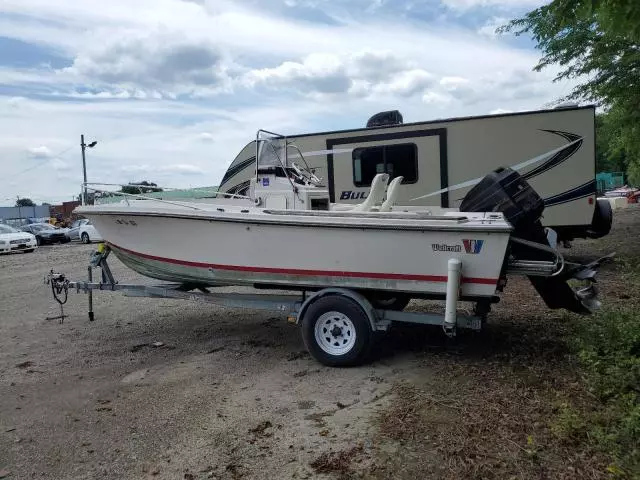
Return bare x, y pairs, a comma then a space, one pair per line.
277, 155
271, 153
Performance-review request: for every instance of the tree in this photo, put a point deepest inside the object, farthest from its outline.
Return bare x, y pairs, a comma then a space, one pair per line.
596, 42
609, 157
91, 196
140, 187
25, 202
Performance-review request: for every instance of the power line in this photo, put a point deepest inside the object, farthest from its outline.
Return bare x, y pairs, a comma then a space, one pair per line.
45, 163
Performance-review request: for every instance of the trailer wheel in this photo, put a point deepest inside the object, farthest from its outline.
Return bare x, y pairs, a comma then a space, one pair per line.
336, 331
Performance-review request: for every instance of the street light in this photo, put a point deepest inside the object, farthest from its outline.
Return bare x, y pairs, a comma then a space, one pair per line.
84, 146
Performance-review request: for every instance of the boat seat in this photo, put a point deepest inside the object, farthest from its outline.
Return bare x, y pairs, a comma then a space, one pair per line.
392, 194
376, 194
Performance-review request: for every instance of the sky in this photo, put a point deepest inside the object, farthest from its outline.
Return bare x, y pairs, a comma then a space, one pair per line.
173, 89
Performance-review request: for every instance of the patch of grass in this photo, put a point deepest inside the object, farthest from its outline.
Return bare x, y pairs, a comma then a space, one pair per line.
608, 348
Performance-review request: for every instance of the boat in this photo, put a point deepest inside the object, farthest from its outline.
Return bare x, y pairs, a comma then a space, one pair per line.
356, 266
286, 236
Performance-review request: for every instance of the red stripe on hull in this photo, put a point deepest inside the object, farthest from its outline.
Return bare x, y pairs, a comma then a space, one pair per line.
311, 273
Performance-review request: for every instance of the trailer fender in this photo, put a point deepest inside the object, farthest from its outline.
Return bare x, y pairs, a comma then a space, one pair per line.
360, 299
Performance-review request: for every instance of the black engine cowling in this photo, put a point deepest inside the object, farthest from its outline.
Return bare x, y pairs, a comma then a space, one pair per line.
504, 190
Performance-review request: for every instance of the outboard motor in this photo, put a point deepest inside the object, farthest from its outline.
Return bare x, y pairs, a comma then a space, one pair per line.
504, 190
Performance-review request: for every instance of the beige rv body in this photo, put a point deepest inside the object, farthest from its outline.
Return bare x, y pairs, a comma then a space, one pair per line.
447, 153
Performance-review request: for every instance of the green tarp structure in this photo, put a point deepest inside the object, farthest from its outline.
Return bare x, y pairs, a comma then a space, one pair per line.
173, 194
609, 181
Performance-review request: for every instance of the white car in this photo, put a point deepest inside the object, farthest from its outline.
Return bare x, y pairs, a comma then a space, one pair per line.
13, 240
88, 233
74, 230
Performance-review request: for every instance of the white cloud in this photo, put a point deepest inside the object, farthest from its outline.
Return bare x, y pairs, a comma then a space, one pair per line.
321, 73
151, 60
462, 88
435, 98
206, 137
149, 79
498, 111
360, 73
60, 165
184, 168
505, 4
489, 28
40, 152
178, 168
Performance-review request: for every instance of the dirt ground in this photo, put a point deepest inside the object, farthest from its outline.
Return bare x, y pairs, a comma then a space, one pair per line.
232, 393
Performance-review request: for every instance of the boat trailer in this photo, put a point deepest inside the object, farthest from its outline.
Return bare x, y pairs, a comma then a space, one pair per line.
340, 328
334, 320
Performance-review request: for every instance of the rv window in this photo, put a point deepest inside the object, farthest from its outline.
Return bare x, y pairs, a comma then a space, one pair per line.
396, 160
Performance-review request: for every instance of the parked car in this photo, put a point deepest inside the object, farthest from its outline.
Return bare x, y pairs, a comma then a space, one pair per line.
46, 233
74, 230
14, 240
88, 233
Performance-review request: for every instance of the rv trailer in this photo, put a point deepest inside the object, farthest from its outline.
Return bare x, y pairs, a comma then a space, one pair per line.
441, 160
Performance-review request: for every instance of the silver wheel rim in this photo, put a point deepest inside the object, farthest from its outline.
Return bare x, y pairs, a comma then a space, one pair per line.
335, 333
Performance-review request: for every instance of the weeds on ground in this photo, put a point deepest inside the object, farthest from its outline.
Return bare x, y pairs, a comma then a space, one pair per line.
338, 463
608, 348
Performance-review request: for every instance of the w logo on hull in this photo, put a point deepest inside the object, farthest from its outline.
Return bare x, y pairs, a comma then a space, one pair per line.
472, 246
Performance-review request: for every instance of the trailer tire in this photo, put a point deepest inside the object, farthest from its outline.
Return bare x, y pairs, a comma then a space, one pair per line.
336, 331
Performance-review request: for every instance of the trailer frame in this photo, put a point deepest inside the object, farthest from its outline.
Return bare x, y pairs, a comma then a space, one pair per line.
294, 306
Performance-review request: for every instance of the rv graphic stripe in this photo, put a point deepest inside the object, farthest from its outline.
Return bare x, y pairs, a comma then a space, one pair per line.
559, 157
232, 171
469, 183
308, 273
236, 189
584, 190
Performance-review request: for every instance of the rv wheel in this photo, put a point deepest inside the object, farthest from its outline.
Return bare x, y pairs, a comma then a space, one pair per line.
336, 331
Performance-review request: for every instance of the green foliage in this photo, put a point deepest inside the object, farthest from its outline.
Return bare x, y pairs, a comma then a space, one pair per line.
140, 188
608, 347
25, 202
598, 43
610, 155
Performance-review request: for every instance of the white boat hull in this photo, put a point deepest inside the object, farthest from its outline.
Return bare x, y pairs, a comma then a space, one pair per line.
212, 248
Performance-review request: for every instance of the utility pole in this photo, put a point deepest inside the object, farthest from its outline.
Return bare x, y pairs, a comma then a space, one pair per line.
84, 171
84, 167
19, 207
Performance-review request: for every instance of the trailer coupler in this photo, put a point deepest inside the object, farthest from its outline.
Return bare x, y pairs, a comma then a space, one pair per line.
60, 290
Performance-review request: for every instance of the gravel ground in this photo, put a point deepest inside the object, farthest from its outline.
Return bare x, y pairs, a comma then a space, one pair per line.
233, 394
230, 394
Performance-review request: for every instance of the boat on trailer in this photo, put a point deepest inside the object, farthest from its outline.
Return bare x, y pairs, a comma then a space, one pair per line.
355, 266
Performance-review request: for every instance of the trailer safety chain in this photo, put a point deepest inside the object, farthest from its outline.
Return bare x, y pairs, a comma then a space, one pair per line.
59, 285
